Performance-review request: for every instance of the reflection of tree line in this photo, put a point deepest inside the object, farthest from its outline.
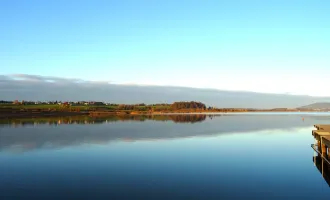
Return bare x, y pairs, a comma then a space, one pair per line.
108, 119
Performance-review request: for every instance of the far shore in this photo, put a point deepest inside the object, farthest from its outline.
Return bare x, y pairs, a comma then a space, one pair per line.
15, 109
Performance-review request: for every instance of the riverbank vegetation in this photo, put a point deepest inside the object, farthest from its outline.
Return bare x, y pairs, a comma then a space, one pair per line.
37, 109
24, 109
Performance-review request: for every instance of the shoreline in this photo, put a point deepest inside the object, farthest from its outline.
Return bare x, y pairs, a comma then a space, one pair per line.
7, 115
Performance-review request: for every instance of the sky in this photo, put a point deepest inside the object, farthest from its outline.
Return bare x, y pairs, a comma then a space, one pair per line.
274, 46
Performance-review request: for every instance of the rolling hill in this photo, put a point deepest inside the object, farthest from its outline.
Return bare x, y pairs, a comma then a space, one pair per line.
320, 105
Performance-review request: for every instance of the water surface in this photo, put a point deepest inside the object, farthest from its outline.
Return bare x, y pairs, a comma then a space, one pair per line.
232, 156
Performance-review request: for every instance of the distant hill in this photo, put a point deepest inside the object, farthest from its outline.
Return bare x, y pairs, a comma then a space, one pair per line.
320, 105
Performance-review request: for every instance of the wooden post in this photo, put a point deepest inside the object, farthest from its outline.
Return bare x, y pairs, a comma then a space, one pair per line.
322, 167
324, 150
323, 147
319, 146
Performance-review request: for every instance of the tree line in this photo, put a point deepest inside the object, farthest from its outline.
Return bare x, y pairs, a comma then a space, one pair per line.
180, 106
188, 105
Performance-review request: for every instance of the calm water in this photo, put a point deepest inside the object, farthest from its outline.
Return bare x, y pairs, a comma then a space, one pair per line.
243, 156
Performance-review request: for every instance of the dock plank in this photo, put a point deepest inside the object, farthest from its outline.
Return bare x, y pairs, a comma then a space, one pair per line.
318, 134
322, 127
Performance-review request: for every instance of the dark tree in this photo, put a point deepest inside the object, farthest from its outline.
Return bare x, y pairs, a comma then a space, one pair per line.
188, 105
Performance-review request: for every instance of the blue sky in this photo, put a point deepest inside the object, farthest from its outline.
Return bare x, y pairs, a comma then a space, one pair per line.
280, 46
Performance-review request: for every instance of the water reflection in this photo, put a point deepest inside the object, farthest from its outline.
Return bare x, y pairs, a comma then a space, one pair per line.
176, 118
323, 167
179, 118
54, 133
262, 157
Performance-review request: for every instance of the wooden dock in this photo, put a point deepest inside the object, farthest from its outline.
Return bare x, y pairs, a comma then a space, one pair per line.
322, 137
322, 147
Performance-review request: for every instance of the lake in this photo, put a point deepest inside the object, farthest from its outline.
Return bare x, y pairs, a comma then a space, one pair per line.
227, 156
